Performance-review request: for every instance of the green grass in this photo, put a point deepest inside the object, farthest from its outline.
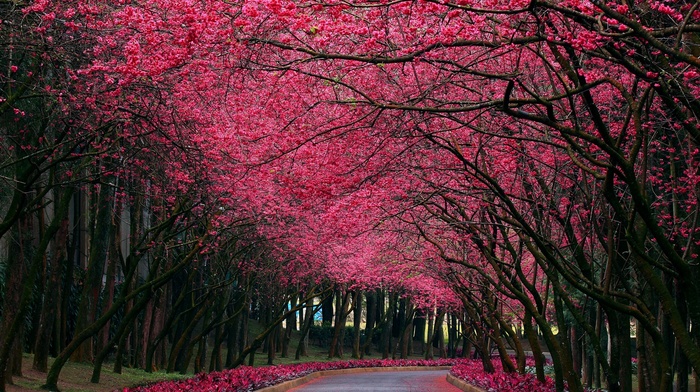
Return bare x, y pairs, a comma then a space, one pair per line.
75, 377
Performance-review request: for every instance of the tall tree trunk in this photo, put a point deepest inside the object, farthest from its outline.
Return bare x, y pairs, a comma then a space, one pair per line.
419, 330
407, 331
290, 326
47, 320
357, 323
466, 342
125, 327
440, 334
233, 327
243, 331
272, 345
14, 275
429, 336
216, 363
107, 296
174, 361
68, 279
304, 338
327, 311
388, 327
153, 283
371, 321
399, 322
341, 313
92, 284
165, 325
451, 335
19, 284
534, 342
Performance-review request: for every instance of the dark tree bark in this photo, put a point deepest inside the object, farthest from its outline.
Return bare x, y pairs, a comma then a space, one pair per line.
19, 285
341, 313
327, 311
99, 244
357, 322
407, 331
387, 326
371, 321
304, 338
47, 319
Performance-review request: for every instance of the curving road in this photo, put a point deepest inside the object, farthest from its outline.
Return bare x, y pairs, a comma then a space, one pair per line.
399, 381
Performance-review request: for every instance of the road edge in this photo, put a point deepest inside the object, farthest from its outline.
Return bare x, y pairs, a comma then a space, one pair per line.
287, 385
463, 385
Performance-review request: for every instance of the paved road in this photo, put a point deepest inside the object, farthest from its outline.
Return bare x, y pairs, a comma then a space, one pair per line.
399, 381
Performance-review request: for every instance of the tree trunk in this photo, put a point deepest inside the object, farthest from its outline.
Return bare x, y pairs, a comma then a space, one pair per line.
357, 323
47, 319
174, 361
303, 339
371, 321
19, 284
232, 328
272, 345
341, 313
125, 327
327, 311
534, 342
429, 337
10, 324
92, 284
108, 298
440, 334
257, 342
388, 327
153, 283
407, 332
290, 326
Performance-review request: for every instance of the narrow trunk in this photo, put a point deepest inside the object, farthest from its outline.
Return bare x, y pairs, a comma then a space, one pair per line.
272, 345
429, 337
419, 333
371, 321
388, 327
92, 283
357, 323
19, 285
303, 339
47, 319
341, 312
407, 332
534, 342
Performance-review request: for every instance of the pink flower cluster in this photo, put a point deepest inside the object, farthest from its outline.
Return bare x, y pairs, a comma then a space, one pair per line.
247, 378
473, 373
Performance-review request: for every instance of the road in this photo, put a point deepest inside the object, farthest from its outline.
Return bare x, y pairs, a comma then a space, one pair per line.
399, 381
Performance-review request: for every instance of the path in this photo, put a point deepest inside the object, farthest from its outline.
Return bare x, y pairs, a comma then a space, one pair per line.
399, 381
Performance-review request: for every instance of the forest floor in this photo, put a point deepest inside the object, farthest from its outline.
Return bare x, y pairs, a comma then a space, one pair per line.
75, 377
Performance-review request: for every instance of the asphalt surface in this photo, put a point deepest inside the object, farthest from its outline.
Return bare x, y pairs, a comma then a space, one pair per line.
399, 381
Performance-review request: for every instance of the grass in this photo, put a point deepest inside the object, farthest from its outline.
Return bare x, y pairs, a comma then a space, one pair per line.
75, 377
